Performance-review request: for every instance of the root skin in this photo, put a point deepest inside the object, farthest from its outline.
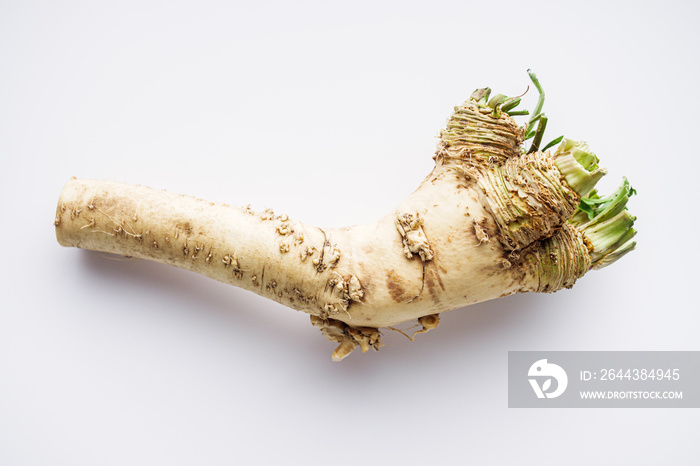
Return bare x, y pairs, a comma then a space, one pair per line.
424, 258
488, 221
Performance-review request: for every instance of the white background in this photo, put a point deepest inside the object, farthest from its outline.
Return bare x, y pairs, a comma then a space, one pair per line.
329, 112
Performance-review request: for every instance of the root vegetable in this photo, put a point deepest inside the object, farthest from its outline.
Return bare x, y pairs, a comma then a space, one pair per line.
490, 220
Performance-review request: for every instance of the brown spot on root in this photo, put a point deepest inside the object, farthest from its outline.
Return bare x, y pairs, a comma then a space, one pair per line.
436, 274
429, 281
185, 227
393, 284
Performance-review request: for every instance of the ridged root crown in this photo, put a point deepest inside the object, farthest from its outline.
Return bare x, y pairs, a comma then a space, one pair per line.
487, 144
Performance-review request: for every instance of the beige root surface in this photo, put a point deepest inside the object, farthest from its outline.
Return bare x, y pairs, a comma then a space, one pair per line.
444, 247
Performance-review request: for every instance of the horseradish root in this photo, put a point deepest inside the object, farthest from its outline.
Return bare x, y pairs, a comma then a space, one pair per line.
493, 218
